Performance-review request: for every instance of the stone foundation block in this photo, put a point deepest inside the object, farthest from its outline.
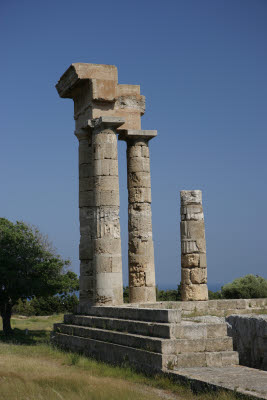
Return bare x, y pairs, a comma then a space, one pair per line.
144, 294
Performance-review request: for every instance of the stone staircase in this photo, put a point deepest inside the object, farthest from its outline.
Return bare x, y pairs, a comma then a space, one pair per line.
148, 339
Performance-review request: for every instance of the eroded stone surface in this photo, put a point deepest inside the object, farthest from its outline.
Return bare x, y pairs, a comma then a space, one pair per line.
193, 247
249, 334
141, 250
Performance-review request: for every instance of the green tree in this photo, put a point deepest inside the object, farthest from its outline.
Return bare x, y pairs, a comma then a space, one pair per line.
246, 287
29, 268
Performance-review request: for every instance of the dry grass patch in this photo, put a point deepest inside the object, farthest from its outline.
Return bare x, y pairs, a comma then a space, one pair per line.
31, 369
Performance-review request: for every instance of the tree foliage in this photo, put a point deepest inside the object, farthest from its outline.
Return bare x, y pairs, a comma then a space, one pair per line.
246, 287
29, 268
46, 305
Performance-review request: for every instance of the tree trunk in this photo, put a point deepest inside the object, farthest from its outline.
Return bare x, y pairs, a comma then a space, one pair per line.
6, 317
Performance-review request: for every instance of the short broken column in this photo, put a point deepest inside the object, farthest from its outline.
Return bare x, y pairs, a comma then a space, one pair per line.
193, 247
142, 286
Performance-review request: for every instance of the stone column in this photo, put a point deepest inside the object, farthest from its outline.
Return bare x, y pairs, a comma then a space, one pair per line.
141, 250
193, 247
100, 246
86, 207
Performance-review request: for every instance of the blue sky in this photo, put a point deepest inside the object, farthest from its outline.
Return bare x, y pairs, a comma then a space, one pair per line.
201, 65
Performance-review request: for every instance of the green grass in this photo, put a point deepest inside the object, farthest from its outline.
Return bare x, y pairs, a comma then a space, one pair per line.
30, 368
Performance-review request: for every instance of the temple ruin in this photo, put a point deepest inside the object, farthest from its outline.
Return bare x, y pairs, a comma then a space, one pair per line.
105, 111
164, 337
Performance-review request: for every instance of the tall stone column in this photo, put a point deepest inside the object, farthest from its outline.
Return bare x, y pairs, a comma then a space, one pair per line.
193, 247
100, 245
141, 249
107, 242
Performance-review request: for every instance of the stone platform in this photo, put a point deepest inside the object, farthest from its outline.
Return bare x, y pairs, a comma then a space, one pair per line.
162, 340
148, 339
243, 380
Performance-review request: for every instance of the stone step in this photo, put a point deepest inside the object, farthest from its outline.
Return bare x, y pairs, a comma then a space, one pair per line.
138, 327
204, 359
157, 345
141, 359
183, 330
194, 330
112, 353
136, 314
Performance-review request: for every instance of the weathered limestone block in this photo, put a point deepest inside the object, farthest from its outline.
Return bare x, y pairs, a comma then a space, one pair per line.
193, 247
194, 292
190, 260
198, 275
139, 195
139, 180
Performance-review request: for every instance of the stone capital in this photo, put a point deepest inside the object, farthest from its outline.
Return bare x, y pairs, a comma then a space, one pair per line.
81, 134
136, 134
104, 122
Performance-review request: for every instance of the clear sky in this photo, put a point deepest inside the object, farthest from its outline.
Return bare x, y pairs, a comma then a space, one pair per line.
202, 65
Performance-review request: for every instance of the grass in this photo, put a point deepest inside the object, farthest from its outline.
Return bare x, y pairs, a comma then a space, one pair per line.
31, 369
